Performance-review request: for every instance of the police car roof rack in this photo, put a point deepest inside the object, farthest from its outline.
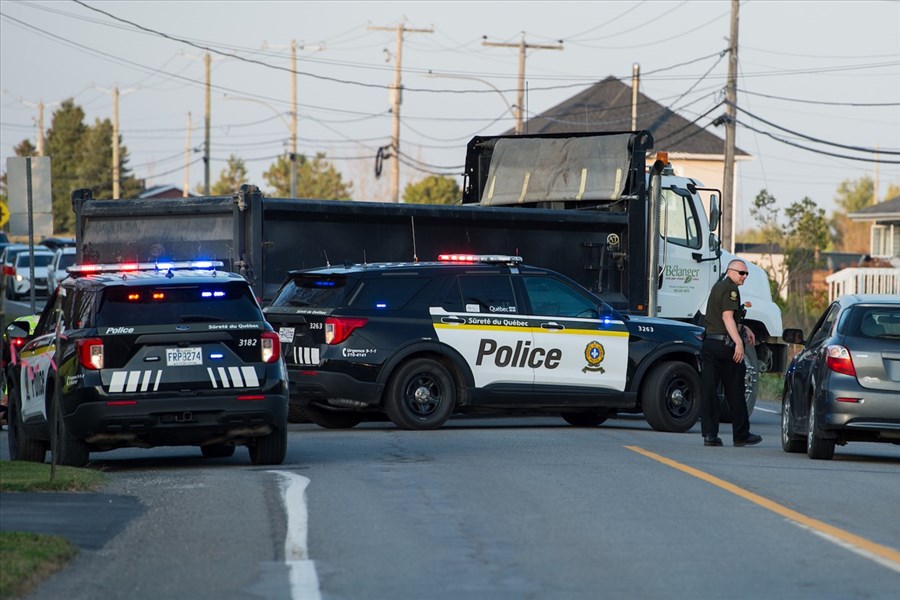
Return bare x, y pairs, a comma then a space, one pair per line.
501, 259
161, 267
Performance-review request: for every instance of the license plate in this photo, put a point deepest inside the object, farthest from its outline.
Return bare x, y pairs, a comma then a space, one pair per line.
183, 357
286, 334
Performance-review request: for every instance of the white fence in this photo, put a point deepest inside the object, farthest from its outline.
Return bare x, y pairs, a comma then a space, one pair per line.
863, 281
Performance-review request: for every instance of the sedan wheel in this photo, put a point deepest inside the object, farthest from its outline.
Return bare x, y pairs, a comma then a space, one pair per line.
816, 446
790, 441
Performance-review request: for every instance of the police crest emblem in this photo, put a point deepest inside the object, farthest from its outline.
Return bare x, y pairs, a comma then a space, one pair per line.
594, 353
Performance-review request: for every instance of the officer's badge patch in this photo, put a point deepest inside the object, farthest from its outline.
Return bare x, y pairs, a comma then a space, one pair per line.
594, 355
733, 295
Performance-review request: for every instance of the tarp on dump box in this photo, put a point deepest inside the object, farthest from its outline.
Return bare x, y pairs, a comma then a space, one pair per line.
526, 170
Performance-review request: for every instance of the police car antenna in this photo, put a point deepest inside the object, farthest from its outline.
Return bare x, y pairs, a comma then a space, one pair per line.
412, 222
327, 262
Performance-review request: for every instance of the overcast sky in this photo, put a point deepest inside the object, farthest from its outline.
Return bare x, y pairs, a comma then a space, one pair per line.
821, 75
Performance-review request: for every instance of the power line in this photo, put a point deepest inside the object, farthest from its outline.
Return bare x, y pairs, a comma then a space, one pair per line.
823, 102
817, 140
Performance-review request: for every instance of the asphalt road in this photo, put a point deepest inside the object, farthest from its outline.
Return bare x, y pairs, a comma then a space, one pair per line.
505, 508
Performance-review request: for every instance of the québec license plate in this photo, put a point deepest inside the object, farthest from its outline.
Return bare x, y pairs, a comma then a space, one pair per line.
183, 357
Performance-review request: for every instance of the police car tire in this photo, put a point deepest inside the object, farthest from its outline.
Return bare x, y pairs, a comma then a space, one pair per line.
670, 398
68, 451
269, 449
420, 374
21, 446
751, 387
332, 419
217, 450
588, 418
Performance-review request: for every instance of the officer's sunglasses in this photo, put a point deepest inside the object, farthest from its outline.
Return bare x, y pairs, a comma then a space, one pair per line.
741, 273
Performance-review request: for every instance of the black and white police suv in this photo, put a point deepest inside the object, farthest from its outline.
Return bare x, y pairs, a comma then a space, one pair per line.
468, 334
148, 355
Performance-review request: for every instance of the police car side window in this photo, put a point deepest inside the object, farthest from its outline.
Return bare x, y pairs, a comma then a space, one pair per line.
553, 298
488, 294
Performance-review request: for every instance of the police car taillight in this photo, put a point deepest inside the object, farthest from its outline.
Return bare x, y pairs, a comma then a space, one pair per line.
338, 329
90, 353
271, 346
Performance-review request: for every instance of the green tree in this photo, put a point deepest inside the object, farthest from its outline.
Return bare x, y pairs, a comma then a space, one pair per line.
802, 234
316, 178
434, 189
852, 196
231, 178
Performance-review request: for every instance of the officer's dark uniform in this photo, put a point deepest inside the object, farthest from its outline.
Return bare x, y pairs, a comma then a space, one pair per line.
718, 364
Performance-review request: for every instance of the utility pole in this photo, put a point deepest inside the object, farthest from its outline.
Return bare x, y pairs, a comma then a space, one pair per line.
635, 80
206, 60
187, 160
727, 231
396, 100
40, 140
115, 144
293, 118
522, 46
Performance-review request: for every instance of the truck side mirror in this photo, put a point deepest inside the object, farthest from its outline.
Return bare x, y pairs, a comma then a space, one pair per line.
714, 212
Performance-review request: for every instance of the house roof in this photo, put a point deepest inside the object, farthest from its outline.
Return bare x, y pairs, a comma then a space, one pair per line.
889, 210
162, 191
606, 106
756, 248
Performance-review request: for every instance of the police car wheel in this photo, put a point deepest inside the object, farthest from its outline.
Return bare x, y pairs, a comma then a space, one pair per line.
332, 419
421, 395
269, 449
670, 397
21, 446
588, 418
68, 451
217, 450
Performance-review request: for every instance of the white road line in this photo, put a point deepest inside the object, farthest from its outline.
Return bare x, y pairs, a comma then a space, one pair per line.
303, 579
769, 410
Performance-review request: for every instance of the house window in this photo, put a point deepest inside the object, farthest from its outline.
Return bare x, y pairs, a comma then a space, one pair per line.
882, 241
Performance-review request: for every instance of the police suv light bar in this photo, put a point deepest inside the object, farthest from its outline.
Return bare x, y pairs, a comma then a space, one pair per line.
481, 258
132, 267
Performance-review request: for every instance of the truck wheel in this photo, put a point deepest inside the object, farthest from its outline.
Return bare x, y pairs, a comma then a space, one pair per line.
69, 451
21, 446
269, 449
421, 395
297, 413
588, 418
751, 387
332, 419
670, 398
817, 446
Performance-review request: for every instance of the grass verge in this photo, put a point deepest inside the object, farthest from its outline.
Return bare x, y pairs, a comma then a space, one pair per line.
770, 386
29, 558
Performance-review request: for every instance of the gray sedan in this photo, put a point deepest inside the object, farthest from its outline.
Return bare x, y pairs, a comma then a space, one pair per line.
844, 386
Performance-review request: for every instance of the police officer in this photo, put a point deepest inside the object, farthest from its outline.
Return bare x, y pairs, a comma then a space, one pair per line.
723, 359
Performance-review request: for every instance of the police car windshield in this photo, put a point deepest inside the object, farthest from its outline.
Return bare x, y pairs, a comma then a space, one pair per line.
164, 304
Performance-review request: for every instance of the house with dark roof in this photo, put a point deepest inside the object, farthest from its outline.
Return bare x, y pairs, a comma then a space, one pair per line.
606, 106
884, 246
163, 191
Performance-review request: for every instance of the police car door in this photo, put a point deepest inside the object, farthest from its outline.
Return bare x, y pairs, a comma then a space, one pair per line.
581, 347
481, 319
35, 361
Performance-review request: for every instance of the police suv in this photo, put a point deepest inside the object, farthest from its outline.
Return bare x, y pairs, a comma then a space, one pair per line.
147, 355
469, 334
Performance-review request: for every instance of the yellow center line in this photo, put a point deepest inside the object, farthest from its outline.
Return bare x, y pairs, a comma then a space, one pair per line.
884, 555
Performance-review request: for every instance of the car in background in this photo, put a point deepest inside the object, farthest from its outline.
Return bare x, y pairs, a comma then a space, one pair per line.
62, 258
844, 385
8, 263
55, 243
22, 277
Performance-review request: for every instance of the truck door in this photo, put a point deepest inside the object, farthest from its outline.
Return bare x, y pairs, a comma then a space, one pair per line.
578, 346
685, 280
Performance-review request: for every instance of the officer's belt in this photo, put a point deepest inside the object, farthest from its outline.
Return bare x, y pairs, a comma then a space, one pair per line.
718, 336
